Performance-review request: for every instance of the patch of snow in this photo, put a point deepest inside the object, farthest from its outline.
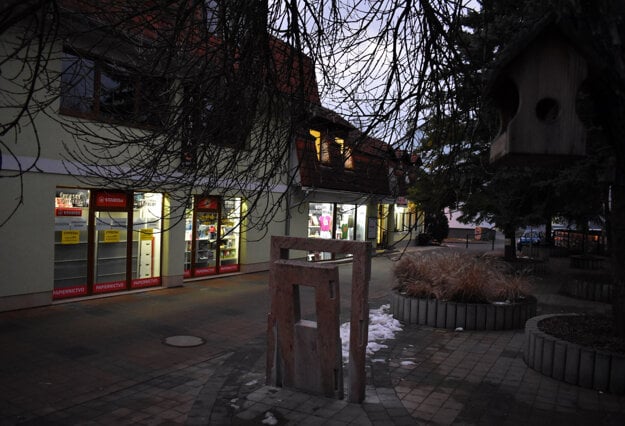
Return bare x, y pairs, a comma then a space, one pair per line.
270, 419
406, 363
252, 383
382, 326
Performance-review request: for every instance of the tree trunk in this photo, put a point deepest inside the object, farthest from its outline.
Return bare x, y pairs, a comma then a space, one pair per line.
618, 255
548, 232
510, 245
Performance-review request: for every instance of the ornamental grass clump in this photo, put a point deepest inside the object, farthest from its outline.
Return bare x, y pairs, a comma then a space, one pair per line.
458, 277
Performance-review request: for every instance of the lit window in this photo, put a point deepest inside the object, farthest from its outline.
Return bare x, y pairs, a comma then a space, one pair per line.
346, 153
321, 147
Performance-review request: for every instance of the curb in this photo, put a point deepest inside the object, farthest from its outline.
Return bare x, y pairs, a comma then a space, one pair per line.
469, 316
572, 363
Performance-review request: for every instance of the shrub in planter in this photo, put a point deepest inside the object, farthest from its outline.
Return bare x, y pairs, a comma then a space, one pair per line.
451, 289
458, 277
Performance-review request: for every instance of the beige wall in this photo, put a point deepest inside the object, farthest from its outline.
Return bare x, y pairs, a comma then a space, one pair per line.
26, 260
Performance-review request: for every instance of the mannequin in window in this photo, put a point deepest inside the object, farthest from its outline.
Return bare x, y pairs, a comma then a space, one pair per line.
325, 224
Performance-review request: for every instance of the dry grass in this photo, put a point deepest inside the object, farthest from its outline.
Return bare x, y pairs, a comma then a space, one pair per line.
458, 277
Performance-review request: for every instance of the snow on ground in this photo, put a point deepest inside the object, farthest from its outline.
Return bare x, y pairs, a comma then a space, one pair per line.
382, 326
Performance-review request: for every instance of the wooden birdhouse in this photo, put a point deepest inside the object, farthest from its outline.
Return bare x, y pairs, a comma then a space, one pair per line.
535, 90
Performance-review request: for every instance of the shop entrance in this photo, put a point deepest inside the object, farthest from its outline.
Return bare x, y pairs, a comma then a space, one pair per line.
110, 250
212, 236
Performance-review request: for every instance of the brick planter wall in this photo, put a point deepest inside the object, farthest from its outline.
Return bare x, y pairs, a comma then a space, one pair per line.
469, 316
572, 363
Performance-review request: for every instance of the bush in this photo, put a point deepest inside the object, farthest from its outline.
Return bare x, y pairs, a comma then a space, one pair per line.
458, 277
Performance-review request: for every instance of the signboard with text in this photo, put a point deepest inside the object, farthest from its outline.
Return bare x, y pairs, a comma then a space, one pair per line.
208, 204
111, 200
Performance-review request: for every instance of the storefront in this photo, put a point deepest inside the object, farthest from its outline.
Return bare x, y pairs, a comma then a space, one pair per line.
338, 221
212, 236
106, 241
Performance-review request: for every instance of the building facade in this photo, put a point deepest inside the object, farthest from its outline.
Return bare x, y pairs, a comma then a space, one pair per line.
67, 235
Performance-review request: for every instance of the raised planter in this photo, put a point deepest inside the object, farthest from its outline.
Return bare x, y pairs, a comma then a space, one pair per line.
582, 261
589, 290
572, 363
469, 316
530, 266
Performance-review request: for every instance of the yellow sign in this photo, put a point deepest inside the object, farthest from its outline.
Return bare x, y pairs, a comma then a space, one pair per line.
146, 234
111, 235
70, 237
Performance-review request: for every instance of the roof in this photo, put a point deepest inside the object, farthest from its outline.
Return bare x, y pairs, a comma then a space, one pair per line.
294, 71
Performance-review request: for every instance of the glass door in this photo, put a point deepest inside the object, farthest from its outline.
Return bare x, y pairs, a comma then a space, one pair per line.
110, 251
229, 236
206, 236
212, 236
146, 239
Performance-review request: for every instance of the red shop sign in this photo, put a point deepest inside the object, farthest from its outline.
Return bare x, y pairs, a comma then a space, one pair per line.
68, 211
208, 203
111, 199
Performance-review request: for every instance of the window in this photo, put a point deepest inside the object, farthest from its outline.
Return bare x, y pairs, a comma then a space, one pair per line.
405, 219
97, 89
323, 145
77, 84
211, 15
346, 153
117, 92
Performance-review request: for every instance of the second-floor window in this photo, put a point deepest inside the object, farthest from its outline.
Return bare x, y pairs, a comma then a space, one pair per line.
323, 148
104, 91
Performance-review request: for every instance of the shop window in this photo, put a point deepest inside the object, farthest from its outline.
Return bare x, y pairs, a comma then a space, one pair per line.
361, 222
212, 236
98, 248
337, 221
320, 225
345, 220
71, 218
104, 91
405, 219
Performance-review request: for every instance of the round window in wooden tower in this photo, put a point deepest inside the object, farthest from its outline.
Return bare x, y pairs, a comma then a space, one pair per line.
547, 110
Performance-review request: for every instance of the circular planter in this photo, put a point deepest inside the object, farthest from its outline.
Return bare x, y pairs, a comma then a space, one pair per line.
572, 363
596, 291
469, 316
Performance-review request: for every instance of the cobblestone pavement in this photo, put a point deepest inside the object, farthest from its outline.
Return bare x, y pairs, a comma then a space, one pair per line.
105, 361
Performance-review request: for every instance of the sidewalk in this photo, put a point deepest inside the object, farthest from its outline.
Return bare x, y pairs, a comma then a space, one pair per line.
107, 361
